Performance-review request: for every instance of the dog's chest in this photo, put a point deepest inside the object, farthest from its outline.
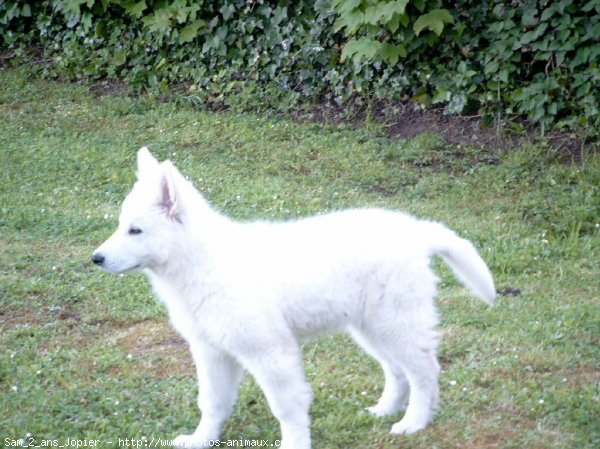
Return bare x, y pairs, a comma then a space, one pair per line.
184, 308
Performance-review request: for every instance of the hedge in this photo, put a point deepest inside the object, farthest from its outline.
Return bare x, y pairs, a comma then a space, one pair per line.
499, 59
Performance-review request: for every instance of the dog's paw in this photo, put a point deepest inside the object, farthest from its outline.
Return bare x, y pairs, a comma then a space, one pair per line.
379, 411
189, 442
407, 426
386, 408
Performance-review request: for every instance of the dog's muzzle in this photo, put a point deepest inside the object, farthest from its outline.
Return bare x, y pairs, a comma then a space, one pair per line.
98, 259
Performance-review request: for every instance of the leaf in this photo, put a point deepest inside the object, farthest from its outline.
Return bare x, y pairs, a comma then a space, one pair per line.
279, 14
392, 52
182, 13
419, 4
593, 4
160, 21
548, 12
528, 19
227, 11
434, 21
390, 9
363, 48
72, 7
26, 10
393, 24
102, 29
352, 22
528, 37
119, 56
343, 6
491, 67
372, 15
189, 32
442, 95
443, 15
135, 8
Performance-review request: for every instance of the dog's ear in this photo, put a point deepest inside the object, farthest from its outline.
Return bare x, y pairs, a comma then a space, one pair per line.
170, 200
146, 163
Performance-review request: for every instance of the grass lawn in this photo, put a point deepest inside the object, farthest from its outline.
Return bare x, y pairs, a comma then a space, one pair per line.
88, 355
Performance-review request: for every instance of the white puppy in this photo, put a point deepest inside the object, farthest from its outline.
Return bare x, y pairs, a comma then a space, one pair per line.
244, 295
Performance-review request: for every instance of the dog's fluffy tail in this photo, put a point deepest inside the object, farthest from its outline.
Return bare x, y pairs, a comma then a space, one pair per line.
464, 260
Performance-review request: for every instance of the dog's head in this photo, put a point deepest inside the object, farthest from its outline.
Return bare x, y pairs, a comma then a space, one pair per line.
151, 216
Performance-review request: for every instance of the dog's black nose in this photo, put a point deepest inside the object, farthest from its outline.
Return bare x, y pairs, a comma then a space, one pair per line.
98, 258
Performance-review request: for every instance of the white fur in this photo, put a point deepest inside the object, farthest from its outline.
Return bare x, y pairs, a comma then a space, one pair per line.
244, 295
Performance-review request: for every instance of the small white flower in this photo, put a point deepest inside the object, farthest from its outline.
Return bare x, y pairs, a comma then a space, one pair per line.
14, 388
541, 401
106, 216
452, 382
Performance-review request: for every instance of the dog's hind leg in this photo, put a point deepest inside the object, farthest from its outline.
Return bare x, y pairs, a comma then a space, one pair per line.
408, 345
395, 392
422, 370
219, 376
278, 371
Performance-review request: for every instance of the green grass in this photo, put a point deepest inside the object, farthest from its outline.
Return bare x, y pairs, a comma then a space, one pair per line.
88, 355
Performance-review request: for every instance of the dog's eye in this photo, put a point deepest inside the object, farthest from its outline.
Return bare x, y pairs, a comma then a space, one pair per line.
134, 231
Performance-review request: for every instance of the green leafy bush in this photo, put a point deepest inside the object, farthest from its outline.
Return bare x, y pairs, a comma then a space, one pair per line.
537, 59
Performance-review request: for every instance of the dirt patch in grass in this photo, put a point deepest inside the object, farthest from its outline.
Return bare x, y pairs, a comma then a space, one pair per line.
581, 376
403, 119
110, 87
157, 348
31, 317
407, 120
511, 433
22, 317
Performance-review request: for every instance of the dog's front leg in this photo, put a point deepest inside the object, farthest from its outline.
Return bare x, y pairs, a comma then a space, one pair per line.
219, 376
279, 373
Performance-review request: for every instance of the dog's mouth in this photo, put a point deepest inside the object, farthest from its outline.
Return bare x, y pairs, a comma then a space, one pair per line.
118, 270
137, 267
132, 269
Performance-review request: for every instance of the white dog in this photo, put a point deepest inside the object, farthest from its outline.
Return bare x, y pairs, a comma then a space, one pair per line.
244, 295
